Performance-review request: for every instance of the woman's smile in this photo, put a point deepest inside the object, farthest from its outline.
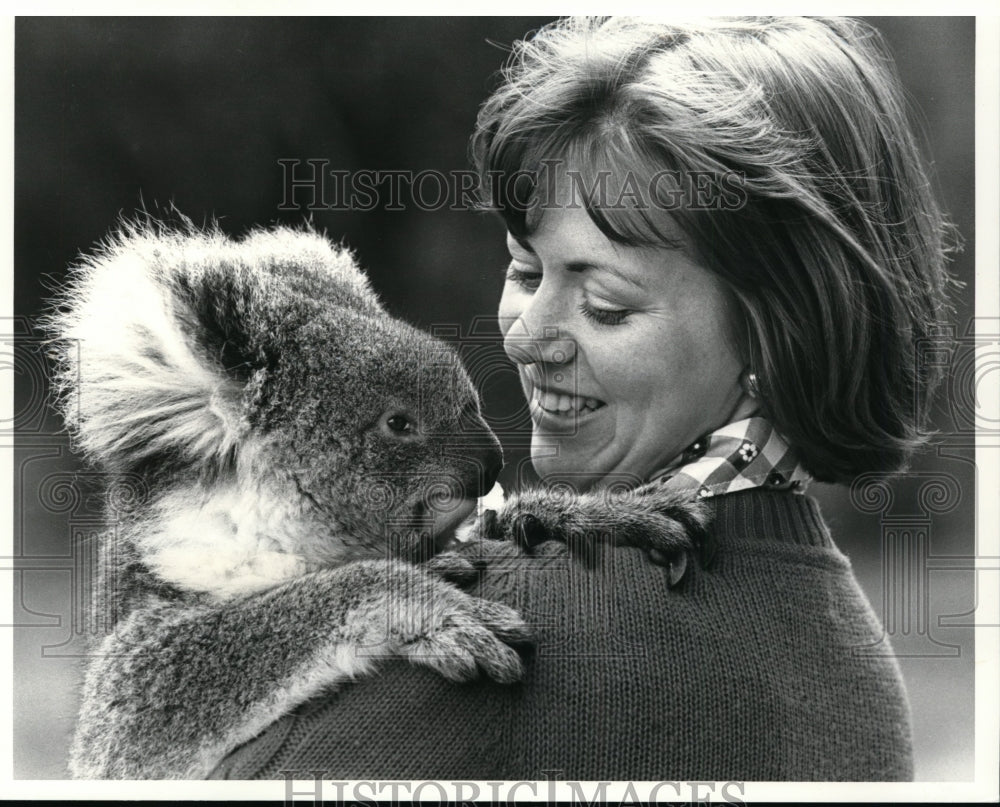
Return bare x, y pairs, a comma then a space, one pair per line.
559, 411
561, 403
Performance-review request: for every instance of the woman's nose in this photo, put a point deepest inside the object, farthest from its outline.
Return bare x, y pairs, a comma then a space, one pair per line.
528, 341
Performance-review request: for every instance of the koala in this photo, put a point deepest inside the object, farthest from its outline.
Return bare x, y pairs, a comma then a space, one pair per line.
302, 457
303, 468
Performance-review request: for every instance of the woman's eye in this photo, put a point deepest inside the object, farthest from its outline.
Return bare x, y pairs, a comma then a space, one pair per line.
604, 316
526, 279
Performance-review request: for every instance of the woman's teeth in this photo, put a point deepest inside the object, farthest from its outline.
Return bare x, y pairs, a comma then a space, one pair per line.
560, 404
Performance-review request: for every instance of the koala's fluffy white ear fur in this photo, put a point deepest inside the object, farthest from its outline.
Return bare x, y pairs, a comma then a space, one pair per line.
133, 379
130, 380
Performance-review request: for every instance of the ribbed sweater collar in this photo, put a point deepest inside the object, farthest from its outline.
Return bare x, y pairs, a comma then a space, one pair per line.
764, 515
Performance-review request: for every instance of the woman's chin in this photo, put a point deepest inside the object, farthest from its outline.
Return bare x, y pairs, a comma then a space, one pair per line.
577, 459
564, 470
560, 463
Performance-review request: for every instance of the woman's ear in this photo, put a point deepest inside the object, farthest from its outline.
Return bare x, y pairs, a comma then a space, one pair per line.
748, 380
749, 403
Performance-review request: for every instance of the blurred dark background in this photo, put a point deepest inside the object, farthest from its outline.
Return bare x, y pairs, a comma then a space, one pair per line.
113, 115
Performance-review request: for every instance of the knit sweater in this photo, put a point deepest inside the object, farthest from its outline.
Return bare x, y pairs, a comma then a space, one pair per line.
747, 670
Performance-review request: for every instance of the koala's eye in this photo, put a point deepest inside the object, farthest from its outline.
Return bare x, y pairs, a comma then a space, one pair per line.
399, 423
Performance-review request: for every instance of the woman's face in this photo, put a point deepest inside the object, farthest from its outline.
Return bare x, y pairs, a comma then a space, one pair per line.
625, 353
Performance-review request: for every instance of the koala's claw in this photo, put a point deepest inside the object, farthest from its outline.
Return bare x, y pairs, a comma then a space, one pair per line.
675, 563
529, 532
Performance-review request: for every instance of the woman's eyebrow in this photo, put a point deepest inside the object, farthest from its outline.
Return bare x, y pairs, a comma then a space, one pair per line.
580, 266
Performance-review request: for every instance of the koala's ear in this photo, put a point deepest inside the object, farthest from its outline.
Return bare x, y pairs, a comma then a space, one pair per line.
150, 362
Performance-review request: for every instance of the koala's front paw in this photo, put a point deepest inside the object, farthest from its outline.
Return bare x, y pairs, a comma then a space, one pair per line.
435, 624
475, 636
668, 524
465, 635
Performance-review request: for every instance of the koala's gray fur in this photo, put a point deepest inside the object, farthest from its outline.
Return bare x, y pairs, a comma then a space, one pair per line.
294, 443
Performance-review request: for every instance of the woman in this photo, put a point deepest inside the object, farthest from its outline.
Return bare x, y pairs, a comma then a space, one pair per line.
723, 251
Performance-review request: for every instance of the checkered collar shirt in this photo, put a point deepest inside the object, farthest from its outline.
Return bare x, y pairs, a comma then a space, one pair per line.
742, 455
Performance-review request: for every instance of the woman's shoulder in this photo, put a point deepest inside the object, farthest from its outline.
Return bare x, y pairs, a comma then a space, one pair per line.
771, 570
745, 670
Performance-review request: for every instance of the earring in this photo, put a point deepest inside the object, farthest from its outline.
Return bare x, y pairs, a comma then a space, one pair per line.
750, 385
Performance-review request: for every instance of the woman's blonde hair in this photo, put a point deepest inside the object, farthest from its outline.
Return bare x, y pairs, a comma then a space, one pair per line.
819, 216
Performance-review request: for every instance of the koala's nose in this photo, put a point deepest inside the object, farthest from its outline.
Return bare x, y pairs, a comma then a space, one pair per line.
483, 448
482, 466
491, 470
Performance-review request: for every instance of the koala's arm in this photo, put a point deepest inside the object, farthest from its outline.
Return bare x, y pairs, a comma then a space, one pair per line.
667, 523
177, 688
